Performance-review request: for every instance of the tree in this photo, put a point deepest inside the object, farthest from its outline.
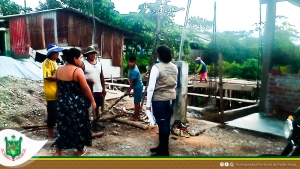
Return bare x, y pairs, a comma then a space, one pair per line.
9, 8
197, 24
103, 9
49, 4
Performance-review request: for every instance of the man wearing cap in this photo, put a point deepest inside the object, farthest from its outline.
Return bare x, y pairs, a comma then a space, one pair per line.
50, 89
94, 76
202, 69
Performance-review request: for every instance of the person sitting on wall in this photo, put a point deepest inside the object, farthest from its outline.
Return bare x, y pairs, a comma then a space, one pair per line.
202, 70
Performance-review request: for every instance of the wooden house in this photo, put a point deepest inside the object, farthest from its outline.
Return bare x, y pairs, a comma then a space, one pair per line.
67, 27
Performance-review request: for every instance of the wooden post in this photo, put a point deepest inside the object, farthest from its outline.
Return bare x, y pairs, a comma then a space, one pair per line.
221, 88
266, 55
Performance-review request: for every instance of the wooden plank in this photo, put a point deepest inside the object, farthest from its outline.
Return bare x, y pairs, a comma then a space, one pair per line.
62, 27
85, 33
37, 36
238, 87
117, 49
98, 40
49, 31
73, 30
225, 98
228, 86
195, 108
107, 44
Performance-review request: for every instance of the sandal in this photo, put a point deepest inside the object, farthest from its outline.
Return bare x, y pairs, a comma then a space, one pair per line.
85, 150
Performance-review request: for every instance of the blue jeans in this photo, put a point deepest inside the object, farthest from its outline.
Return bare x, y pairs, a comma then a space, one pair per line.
163, 111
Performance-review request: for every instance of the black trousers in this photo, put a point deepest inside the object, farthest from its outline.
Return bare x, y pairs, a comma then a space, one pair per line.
51, 113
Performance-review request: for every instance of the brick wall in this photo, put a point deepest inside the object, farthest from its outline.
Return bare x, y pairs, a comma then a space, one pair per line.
283, 90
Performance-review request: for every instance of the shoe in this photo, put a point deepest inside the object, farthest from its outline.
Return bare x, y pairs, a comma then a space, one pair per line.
157, 149
162, 153
164, 148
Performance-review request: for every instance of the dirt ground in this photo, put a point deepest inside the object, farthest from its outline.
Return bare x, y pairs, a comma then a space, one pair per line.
22, 104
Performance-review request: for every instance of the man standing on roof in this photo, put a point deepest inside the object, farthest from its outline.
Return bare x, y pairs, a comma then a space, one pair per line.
94, 76
50, 89
202, 70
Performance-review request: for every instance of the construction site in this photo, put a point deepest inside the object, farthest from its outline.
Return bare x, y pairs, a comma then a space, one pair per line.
223, 117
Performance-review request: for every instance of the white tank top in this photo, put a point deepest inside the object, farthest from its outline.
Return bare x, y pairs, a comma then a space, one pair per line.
93, 72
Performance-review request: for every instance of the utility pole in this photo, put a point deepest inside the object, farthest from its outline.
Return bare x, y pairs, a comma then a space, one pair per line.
183, 29
94, 25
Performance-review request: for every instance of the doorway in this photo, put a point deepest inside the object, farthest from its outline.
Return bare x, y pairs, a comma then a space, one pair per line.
2, 43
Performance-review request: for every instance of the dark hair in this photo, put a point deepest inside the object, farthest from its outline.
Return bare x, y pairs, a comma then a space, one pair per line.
132, 58
165, 54
70, 54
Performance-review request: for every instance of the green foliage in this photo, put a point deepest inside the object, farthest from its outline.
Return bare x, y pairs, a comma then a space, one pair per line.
247, 70
197, 24
7, 7
103, 9
142, 63
240, 50
192, 65
285, 69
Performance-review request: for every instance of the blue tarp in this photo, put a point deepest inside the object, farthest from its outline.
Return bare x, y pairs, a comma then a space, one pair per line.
25, 68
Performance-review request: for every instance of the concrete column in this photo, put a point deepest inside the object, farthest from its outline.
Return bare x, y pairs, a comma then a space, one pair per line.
266, 55
180, 107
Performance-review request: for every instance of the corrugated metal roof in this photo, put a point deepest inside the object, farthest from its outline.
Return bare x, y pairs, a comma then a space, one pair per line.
77, 12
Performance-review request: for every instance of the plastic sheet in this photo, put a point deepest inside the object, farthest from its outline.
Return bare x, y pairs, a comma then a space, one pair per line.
25, 68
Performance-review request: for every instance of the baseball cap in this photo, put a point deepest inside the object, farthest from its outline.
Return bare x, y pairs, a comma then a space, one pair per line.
53, 48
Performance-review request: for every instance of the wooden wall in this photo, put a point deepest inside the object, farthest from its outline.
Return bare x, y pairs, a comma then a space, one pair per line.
68, 29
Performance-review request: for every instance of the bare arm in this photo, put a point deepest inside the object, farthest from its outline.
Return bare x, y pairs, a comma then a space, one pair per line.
52, 78
130, 87
83, 84
102, 82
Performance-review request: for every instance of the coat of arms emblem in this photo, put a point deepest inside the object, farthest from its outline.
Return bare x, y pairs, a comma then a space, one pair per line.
13, 149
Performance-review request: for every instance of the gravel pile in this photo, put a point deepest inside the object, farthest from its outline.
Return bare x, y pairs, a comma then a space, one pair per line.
21, 102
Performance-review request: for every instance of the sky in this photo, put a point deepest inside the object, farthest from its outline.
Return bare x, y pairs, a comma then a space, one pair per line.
232, 15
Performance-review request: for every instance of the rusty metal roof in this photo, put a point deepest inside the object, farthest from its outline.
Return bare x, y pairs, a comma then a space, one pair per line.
73, 10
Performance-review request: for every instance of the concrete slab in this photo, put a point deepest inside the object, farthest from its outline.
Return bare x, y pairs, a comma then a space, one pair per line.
257, 122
